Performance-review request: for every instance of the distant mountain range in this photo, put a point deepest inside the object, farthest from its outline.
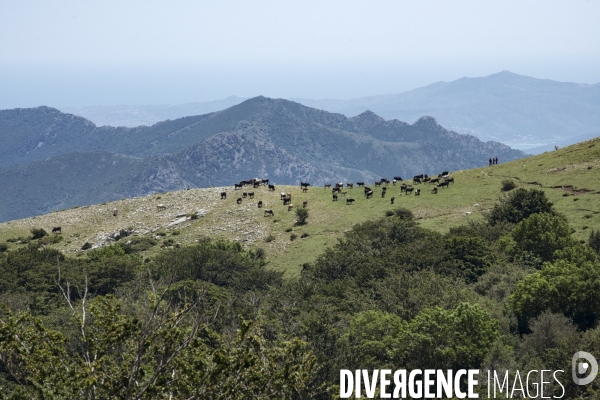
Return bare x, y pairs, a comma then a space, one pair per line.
51, 160
521, 111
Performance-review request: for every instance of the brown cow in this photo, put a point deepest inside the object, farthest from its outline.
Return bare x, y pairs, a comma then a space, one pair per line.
269, 212
304, 203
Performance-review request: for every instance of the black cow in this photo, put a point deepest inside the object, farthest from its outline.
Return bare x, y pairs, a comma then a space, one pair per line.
223, 195
239, 200
304, 184
418, 192
349, 200
244, 195
251, 195
398, 178
272, 187
449, 179
392, 200
237, 186
369, 194
443, 184
409, 190
269, 212
360, 184
260, 204
327, 185
57, 230
403, 187
335, 197
416, 180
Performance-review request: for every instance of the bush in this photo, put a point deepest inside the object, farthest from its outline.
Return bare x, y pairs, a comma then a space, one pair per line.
302, 215
305, 234
38, 233
542, 235
288, 229
175, 233
404, 213
193, 216
508, 185
3, 247
293, 236
594, 241
389, 213
86, 245
269, 238
519, 205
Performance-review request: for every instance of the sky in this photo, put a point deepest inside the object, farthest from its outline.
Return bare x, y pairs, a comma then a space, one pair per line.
82, 53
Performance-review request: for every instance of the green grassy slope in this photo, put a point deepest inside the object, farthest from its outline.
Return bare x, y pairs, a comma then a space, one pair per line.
570, 177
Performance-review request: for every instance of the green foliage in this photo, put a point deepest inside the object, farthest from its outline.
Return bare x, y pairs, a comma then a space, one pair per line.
594, 241
3, 247
38, 233
472, 256
542, 235
560, 287
519, 205
86, 246
293, 237
508, 185
301, 215
222, 263
270, 238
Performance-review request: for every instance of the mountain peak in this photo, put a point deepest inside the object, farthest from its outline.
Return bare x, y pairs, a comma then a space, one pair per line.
368, 116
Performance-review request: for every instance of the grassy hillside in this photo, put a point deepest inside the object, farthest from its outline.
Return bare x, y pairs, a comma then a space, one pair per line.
570, 177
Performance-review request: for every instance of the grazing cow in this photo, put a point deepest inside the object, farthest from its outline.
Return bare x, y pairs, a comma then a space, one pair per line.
335, 197
304, 189
115, 212
443, 184
304, 203
445, 173
161, 207
385, 180
419, 176
335, 189
343, 193
398, 178
384, 189
367, 189
287, 200
378, 183
434, 190
56, 230
244, 195
394, 182
269, 212
449, 179
223, 195
237, 186
435, 180
418, 192
409, 190
426, 179
239, 200
282, 195
369, 194
260, 204
304, 184
350, 185
272, 187
416, 180
327, 185
392, 200
383, 194
339, 185
256, 185
360, 184
251, 195
290, 207
403, 187
265, 181
349, 200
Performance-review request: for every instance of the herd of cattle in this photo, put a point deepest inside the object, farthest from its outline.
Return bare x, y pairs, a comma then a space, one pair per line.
443, 180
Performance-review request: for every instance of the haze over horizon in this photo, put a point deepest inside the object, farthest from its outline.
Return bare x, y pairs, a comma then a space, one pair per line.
74, 54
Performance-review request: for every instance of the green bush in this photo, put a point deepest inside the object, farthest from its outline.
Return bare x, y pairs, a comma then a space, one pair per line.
269, 238
38, 233
542, 235
518, 205
305, 234
301, 215
86, 246
288, 229
3, 247
508, 185
293, 236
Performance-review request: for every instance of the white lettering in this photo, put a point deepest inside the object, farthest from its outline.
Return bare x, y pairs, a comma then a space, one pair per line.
400, 383
557, 381
472, 382
504, 382
514, 388
444, 383
371, 385
534, 384
384, 382
344, 373
460, 394
411, 384
542, 384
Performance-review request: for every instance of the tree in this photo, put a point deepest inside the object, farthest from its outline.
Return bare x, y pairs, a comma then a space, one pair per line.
542, 235
518, 205
594, 241
560, 287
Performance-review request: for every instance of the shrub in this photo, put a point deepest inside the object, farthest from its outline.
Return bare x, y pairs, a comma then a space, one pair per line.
193, 216
594, 241
168, 242
288, 230
293, 236
175, 233
269, 238
389, 213
508, 185
542, 235
519, 205
302, 215
38, 233
305, 234
3, 247
404, 213
86, 245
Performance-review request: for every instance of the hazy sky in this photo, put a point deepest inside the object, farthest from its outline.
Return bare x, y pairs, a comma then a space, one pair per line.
76, 53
